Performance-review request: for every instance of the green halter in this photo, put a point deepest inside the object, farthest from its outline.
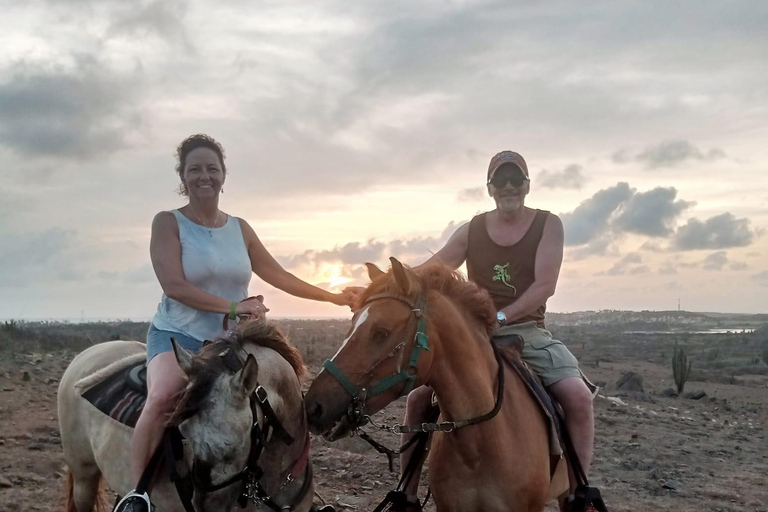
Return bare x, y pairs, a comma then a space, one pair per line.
419, 342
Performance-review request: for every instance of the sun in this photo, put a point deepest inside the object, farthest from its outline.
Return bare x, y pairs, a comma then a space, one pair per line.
336, 279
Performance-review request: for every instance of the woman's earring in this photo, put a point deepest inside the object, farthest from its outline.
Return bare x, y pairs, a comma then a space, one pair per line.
222, 190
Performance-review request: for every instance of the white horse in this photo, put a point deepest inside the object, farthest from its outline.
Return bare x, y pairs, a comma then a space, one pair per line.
216, 414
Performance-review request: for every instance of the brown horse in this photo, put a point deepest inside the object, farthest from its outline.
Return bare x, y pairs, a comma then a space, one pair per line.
502, 464
217, 413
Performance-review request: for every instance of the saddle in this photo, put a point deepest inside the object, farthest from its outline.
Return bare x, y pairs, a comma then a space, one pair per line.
511, 348
121, 395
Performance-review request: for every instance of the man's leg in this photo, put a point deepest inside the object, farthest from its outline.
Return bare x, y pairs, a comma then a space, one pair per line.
575, 398
416, 411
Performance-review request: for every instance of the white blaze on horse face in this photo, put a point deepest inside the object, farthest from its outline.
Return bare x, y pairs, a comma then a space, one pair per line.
360, 321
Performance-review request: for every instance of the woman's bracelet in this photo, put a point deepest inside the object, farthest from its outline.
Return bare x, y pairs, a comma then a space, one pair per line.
232, 314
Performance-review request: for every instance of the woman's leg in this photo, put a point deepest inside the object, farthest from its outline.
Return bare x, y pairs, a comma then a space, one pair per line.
165, 381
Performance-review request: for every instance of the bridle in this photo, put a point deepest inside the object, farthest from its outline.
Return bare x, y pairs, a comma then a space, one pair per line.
356, 411
260, 436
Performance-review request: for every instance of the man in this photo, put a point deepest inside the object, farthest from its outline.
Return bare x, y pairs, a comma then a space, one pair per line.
515, 253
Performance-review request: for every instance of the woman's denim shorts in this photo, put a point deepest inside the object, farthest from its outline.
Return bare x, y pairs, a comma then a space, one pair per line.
160, 341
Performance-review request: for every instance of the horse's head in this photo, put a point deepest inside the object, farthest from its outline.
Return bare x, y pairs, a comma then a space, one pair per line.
214, 415
385, 354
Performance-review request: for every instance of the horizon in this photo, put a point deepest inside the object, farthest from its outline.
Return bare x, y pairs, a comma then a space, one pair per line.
356, 133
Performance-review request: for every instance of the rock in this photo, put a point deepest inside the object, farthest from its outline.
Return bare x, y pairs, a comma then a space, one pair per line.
637, 395
630, 381
4, 482
694, 395
668, 393
353, 502
670, 484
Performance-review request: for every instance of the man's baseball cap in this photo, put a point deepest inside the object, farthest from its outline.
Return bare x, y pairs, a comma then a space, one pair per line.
506, 157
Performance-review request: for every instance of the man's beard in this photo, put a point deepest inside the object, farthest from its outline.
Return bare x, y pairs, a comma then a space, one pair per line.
509, 204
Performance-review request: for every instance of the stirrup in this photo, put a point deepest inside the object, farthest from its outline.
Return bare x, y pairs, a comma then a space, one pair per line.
399, 503
134, 502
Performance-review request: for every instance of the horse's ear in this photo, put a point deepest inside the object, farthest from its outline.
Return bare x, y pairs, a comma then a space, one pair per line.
183, 357
403, 277
374, 272
247, 379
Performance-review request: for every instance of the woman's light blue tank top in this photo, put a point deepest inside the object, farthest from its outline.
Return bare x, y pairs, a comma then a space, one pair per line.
215, 260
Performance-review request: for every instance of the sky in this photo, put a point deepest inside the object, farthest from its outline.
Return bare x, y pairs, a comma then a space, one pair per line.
356, 131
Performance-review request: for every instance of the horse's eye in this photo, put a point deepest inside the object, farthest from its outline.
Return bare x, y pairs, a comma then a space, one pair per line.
380, 334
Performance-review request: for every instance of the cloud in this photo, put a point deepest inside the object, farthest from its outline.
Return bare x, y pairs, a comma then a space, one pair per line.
81, 111
715, 261
651, 213
38, 257
592, 216
138, 275
352, 255
668, 270
471, 195
162, 19
629, 264
571, 177
720, 232
669, 154
761, 278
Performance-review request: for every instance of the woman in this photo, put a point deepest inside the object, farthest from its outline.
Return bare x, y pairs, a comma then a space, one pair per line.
203, 259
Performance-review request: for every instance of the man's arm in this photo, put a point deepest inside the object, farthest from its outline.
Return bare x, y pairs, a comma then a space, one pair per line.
454, 252
549, 257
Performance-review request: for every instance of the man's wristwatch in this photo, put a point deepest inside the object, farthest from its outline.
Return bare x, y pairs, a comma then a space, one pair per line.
501, 317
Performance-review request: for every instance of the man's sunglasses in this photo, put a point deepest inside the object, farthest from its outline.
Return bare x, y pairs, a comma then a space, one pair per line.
516, 180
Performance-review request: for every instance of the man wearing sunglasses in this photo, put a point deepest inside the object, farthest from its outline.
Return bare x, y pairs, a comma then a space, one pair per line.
515, 253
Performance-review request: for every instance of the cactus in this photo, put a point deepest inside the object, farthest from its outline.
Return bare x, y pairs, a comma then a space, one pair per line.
681, 368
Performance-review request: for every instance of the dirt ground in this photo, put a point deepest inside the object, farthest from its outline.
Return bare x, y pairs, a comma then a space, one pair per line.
651, 453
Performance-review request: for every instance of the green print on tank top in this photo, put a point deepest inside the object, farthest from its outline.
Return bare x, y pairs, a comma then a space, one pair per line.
500, 273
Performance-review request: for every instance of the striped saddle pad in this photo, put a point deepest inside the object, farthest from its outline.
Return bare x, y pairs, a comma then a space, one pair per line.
122, 395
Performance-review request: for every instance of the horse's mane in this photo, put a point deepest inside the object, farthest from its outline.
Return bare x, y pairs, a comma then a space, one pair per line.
215, 358
475, 301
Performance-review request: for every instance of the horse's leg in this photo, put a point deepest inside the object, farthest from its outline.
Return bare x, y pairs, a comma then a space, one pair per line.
85, 490
417, 409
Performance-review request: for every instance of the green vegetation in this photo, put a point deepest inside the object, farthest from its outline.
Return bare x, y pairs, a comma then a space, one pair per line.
681, 368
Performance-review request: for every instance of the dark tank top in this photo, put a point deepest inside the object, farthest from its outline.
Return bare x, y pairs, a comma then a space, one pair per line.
505, 271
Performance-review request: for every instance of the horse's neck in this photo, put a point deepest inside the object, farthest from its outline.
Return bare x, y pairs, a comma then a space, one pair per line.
464, 368
284, 391
279, 379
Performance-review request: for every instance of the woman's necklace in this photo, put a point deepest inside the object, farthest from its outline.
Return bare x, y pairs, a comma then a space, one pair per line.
211, 228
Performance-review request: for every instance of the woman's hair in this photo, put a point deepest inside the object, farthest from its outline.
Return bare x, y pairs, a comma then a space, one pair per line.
191, 143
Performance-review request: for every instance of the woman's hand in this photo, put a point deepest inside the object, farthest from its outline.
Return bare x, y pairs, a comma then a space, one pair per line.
253, 308
350, 296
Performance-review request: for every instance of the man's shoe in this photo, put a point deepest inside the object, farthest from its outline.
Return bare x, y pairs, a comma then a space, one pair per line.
134, 502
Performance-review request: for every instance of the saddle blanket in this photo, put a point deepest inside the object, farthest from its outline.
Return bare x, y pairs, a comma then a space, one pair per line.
121, 395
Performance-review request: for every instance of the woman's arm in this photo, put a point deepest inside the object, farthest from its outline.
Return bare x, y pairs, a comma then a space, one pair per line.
268, 269
165, 252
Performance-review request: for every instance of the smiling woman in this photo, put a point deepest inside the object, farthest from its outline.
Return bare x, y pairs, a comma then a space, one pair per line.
203, 259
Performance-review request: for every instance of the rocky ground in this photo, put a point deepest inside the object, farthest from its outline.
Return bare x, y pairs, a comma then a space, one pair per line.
652, 452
